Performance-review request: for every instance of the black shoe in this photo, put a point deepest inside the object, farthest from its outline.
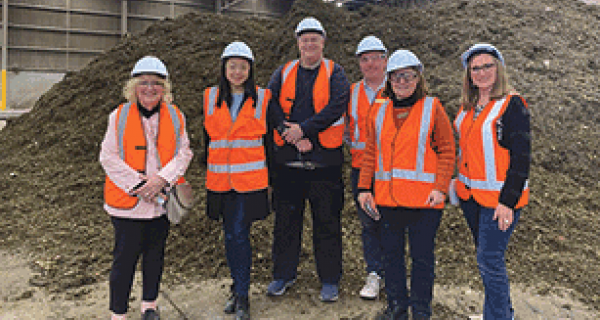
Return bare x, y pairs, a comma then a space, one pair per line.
150, 314
392, 312
242, 308
230, 304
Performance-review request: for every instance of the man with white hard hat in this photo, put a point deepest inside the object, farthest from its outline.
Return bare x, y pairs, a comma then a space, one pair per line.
372, 59
310, 96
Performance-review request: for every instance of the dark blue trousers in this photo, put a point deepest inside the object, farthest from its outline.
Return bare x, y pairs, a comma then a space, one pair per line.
324, 190
371, 232
421, 226
135, 238
237, 241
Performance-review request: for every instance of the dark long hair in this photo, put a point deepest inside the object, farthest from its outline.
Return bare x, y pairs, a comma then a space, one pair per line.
225, 87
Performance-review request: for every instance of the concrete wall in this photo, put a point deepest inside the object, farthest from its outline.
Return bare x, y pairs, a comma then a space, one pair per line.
47, 38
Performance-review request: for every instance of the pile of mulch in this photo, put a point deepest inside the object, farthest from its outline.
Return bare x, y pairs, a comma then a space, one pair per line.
52, 182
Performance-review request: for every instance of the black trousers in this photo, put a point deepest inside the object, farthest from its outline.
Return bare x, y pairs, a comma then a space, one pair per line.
324, 190
135, 238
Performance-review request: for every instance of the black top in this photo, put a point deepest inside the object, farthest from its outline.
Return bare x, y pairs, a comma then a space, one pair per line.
303, 112
513, 130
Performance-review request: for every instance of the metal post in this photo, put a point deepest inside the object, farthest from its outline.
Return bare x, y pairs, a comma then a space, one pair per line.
4, 52
123, 17
172, 9
218, 6
254, 8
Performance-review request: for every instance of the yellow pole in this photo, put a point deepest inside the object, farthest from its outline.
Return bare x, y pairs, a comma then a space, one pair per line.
4, 51
4, 89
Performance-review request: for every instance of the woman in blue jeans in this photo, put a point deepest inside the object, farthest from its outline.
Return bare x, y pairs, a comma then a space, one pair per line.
236, 172
495, 154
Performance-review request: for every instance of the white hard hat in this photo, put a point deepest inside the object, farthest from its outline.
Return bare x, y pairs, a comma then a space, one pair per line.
309, 24
149, 64
237, 49
403, 59
370, 43
480, 48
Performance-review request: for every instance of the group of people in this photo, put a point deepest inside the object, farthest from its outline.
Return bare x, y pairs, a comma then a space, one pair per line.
279, 147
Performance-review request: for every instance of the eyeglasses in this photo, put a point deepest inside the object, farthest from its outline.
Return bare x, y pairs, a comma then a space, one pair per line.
484, 67
150, 83
406, 76
365, 59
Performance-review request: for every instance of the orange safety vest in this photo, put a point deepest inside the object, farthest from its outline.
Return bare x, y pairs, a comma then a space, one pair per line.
406, 162
329, 138
358, 111
482, 161
236, 154
131, 143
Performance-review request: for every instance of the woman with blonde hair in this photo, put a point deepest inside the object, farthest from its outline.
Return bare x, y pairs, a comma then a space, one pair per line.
144, 152
493, 126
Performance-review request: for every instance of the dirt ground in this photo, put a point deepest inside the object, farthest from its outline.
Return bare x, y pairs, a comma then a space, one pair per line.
51, 181
204, 300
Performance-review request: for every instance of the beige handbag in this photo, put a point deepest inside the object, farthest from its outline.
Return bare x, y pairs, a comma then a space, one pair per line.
179, 201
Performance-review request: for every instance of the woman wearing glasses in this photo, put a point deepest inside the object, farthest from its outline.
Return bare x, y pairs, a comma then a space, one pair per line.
145, 150
406, 169
495, 154
236, 172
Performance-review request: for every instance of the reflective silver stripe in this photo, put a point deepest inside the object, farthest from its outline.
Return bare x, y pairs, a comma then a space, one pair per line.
458, 121
219, 144
259, 103
383, 175
327, 67
413, 175
287, 70
212, 99
357, 145
236, 168
418, 174
121, 129
485, 185
339, 122
354, 111
487, 136
176, 125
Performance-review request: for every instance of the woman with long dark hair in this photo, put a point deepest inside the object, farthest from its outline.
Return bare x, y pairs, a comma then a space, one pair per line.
236, 169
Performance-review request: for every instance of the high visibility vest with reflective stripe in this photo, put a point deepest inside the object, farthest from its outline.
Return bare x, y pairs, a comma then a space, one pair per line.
131, 143
406, 163
329, 138
358, 111
236, 154
483, 163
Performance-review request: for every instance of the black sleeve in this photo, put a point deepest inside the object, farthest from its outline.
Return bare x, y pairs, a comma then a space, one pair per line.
514, 134
204, 156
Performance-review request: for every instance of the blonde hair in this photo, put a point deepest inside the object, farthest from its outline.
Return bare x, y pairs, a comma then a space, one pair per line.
129, 90
470, 92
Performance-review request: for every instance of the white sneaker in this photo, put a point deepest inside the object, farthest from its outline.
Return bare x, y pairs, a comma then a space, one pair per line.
372, 286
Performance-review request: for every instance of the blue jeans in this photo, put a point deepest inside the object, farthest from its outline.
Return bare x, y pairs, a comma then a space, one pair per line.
491, 243
421, 226
237, 241
371, 232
